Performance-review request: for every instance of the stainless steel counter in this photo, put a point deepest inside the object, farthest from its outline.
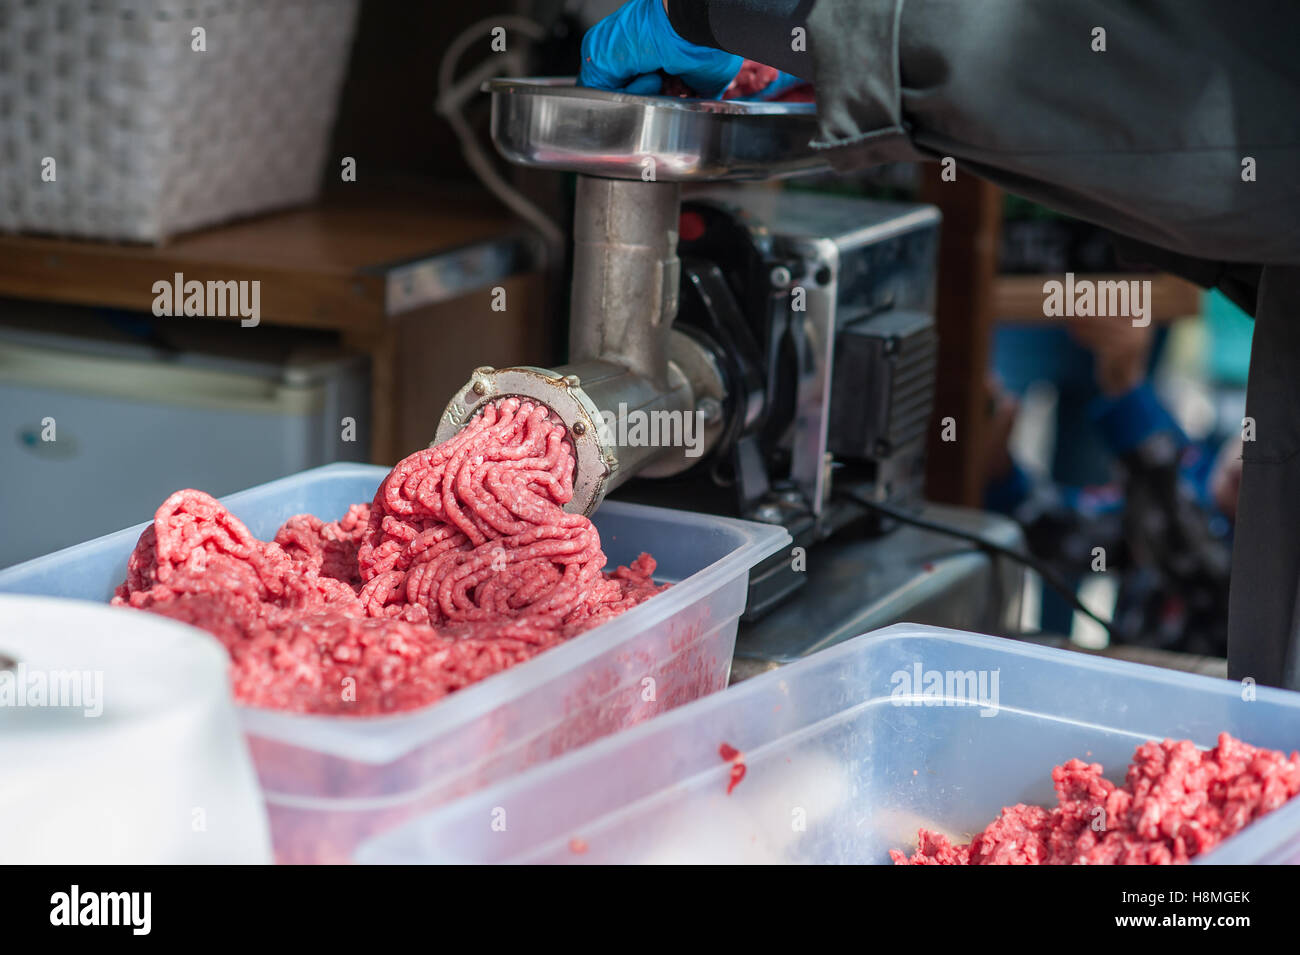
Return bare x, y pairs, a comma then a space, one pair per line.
861, 584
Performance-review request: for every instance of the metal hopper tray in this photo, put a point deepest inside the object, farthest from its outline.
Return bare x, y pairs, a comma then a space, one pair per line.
549, 123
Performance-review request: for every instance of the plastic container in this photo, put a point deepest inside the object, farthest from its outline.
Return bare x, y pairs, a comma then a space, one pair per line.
838, 771
331, 781
120, 742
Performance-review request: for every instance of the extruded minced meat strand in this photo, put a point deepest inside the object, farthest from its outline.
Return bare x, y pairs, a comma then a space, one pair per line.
464, 564
475, 529
1177, 802
752, 78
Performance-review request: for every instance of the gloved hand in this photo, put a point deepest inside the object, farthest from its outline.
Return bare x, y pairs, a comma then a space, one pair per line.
624, 51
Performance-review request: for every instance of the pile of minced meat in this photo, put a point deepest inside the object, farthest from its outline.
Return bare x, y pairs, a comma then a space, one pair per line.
465, 564
1177, 802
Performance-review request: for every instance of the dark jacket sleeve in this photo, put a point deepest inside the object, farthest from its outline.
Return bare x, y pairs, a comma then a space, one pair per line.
763, 29
1264, 597
1147, 138
848, 49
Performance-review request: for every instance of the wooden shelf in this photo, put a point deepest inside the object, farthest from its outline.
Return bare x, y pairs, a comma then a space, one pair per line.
395, 271
964, 317
1019, 298
341, 264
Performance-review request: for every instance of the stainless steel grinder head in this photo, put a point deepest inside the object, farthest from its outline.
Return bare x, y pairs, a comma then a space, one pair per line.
595, 458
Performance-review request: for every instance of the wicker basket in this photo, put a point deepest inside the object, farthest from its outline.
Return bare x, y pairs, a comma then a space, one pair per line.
150, 137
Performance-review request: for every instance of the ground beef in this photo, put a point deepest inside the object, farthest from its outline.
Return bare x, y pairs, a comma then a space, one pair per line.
753, 78
464, 564
1176, 803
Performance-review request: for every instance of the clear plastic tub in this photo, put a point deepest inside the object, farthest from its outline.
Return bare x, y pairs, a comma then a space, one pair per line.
331, 781
839, 772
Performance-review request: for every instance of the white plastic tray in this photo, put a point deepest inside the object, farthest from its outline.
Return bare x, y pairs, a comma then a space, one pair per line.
332, 780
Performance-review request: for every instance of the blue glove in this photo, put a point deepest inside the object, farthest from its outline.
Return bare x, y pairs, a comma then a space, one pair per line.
624, 51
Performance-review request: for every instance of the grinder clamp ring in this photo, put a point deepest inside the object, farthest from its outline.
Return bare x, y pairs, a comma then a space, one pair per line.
595, 459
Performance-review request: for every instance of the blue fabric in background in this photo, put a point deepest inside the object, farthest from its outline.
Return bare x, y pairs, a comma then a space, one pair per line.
1025, 354
1228, 330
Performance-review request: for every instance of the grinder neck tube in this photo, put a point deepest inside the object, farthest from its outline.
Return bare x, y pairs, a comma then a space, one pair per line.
625, 282
625, 274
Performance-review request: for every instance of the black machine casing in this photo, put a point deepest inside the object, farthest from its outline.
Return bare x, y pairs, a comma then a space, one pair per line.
818, 311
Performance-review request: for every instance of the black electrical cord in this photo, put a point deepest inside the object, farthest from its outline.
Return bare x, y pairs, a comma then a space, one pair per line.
1050, 577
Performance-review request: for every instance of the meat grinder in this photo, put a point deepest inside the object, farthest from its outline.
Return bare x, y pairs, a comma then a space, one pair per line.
763, 353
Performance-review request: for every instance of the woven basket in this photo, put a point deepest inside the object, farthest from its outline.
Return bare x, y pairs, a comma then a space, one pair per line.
151, 138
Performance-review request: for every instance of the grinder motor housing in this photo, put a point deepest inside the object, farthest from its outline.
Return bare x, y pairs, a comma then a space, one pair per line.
819, 311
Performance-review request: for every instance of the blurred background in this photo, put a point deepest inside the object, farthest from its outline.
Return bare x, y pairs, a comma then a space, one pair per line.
336, 152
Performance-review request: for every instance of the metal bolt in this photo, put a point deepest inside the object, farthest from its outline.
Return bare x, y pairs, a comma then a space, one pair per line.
572, 381
579, 428
480, 388
780, 276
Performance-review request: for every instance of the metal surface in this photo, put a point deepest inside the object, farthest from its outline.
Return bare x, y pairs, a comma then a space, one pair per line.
628, 407
699, 366
600, 402
548, 123
563, 395
439, 277
1150, 656
847, 259
856, 584
814, 341
637, 415
625, 274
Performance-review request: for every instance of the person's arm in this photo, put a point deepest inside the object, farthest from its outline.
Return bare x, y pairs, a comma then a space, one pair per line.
763, 29
1129, 420
1126, 411
1149, 137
